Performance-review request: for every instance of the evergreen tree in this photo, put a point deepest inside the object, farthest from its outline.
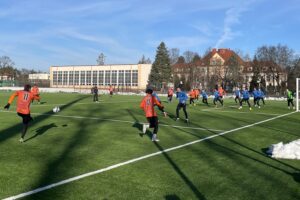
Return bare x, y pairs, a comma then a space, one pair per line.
161, 68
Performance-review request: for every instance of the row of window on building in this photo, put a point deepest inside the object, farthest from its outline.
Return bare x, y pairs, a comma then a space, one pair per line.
108, 77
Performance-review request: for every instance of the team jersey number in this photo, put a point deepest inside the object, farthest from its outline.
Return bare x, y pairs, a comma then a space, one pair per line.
26, 96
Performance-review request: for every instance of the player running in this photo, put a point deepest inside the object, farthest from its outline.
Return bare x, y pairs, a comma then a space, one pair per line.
256, 98
261, 96
221, 94
182, 98
290, 99
246, 96
217, 98
170, 94
25, 97
147, 104
237, 93
197, 93
204, 97
192, 95
36, 93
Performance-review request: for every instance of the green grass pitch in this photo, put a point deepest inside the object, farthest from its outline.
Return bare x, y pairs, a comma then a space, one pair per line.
86, 136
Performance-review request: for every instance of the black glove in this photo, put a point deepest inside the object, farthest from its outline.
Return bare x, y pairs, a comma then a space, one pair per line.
7, 106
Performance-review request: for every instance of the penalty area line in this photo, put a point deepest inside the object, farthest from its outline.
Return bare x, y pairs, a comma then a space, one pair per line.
121, 121
136, 160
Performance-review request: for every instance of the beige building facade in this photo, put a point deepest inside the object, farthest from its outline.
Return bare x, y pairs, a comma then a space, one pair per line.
133, 76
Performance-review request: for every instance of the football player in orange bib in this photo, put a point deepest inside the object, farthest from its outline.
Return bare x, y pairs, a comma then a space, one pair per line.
36, 93
147, 104
25, 97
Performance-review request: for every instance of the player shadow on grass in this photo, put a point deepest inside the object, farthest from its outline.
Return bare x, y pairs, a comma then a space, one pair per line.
136, 124
187, 181
16, 128
172, 197
41, 130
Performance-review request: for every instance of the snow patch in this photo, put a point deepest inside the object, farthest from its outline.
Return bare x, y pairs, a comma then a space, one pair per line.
287, 151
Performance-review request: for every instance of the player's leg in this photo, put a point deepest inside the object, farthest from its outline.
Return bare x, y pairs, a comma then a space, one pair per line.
257, 102
249, 104
26, 118
185, 113
154, 124
146, 125
241, 103
177, 111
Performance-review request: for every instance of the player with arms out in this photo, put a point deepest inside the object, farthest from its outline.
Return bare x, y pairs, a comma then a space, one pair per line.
246, 96
25, 97
36, 93
182, 97
147, 104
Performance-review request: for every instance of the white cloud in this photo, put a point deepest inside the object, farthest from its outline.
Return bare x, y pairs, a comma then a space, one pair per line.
232, 17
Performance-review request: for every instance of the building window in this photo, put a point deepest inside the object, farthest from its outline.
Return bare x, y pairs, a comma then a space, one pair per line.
128, 77
54, 78
107, 77
71, 77
82, 78
88, 77
65, 78
59, 78
100, 77
76, 78
121, 77
134, 77
114, 74
95, 78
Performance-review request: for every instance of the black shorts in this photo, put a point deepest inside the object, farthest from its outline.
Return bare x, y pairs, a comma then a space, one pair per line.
26, 118
153, 121
111, 93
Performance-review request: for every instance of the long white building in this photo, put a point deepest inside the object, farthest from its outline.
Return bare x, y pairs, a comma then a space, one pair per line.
133, 76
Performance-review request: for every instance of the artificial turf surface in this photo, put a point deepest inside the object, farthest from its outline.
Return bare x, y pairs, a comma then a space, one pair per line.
86, 136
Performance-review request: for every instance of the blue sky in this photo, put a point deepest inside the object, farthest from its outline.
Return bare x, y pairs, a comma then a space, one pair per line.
37, 34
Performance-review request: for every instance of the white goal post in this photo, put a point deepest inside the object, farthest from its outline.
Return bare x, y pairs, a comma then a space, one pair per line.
297, 94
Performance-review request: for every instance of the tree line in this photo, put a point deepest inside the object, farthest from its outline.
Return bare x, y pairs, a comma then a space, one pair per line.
277, 58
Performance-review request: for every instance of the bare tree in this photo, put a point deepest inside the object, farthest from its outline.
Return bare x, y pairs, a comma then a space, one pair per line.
174, 55
143, 60
5, 61
278, 58
189, 55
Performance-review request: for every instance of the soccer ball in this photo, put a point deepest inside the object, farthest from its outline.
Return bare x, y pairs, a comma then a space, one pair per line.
56, 109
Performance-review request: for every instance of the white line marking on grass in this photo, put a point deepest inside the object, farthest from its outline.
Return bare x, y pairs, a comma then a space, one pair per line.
239, 112
122, 121
59, 104
136, 159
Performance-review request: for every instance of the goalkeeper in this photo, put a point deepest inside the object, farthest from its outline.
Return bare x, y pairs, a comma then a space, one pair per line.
290, 99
